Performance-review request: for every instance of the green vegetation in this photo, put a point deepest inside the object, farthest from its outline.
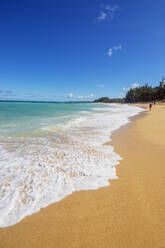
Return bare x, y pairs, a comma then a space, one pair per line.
109, 100
145, 93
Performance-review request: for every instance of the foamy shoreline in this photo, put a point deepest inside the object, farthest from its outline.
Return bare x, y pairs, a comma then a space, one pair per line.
91, 165
129, 213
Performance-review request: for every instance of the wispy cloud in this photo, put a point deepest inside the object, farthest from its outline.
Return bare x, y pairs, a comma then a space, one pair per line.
101, 85
115, 48
102, 16
70, 95
6, 93
91, 95
124, 89
107, 12
86, 97
110, 50
119, 47
112, 8
135, 85
9, 95
122, 94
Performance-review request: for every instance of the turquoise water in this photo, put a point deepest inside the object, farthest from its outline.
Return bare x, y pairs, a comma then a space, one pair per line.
49, 150
18, 118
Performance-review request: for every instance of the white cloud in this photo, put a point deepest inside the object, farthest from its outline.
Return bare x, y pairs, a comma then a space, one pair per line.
114, 48
101, 85
102, 16
86, 97
107, 12
112, 8
125, 89
134, 85
70, 95
6, 93
110, 52
122, 94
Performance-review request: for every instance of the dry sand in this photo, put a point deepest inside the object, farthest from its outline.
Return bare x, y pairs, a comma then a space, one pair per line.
128, 214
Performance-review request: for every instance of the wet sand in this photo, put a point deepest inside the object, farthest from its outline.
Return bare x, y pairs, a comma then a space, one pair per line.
128, 214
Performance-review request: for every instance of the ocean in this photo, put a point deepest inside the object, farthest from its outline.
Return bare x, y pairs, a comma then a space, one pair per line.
49, 150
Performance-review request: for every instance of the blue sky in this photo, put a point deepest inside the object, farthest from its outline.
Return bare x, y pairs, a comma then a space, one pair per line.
77, 50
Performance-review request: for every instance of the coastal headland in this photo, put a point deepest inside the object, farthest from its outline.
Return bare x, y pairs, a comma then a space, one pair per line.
130, 213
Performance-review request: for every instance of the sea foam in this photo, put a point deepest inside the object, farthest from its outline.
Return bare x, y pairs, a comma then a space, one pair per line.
38, 171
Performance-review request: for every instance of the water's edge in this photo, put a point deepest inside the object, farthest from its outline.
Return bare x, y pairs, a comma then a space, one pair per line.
91, 166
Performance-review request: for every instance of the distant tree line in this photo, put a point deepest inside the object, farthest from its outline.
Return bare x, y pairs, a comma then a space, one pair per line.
145, 93
109, 100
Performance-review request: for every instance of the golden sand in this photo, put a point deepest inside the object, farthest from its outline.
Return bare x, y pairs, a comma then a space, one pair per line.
128, 214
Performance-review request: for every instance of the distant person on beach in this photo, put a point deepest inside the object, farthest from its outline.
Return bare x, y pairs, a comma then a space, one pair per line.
150, 106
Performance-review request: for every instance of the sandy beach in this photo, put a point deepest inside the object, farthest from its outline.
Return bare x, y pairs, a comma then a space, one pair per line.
130, 213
